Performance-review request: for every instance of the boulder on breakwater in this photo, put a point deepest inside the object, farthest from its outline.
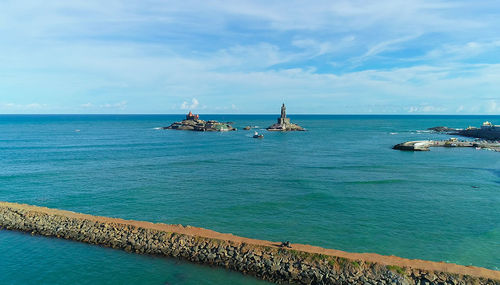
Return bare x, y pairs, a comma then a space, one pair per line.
300, 264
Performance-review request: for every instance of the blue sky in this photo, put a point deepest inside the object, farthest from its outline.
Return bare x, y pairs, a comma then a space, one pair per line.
325, 57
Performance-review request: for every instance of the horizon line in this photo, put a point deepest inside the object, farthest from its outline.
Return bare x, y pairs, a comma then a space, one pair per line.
242, 114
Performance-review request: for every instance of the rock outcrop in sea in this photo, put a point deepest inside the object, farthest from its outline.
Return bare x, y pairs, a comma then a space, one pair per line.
193, 123
487, 131
442, 129
284, 124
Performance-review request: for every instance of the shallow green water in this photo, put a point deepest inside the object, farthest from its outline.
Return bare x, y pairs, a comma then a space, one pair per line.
339, 185
35, 260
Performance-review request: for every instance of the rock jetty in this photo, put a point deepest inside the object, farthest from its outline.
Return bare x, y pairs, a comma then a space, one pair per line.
284, 124
193, 123
292, 263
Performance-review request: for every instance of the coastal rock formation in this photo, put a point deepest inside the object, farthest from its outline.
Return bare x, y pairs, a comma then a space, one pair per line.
193, 123
414, 146
284, 123
294, 263
442, 129
487, 131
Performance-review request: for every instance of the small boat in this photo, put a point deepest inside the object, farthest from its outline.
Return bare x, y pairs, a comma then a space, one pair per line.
256, 135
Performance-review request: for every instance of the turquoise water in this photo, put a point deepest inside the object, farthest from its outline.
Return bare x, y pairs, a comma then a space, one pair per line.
339, 185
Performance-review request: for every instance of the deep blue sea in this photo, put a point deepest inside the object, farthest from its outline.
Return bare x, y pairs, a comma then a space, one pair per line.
338, 185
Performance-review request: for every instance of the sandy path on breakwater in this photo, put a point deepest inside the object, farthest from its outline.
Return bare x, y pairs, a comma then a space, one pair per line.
194, 231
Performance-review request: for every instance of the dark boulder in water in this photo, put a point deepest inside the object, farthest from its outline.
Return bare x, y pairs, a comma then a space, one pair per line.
442, 129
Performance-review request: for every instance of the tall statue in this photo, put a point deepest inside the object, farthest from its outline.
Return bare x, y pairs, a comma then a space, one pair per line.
283, 111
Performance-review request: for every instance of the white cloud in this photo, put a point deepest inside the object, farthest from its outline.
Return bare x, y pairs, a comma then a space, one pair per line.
119, 105
24, 107
427, 109
388, 45
348, 15
314, 48
187, 106
455, 52
248, 57
492, 106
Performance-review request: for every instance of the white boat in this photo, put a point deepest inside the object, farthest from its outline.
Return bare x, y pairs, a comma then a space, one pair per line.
256, 135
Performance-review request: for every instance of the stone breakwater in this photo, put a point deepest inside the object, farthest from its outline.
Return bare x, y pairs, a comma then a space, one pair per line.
300, 264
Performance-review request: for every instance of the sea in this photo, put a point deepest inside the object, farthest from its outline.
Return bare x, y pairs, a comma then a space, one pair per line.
338, 185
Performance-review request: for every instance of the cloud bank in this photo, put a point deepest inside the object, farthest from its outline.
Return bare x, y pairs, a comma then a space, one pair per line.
390, 57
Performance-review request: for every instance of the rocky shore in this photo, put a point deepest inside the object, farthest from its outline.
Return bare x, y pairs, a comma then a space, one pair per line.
299, 264
487, 131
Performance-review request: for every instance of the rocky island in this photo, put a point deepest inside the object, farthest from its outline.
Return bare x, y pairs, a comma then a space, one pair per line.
284, 123
193, 123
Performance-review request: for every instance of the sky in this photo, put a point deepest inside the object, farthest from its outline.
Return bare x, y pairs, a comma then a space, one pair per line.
247, 57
